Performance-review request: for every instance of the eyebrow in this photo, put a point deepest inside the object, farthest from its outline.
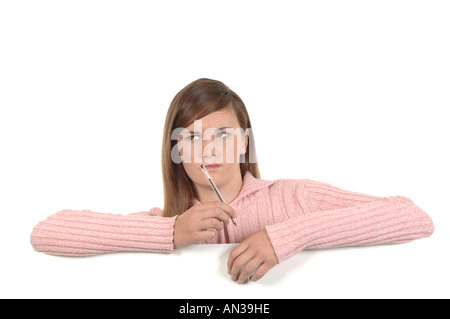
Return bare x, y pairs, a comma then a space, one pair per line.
220, 129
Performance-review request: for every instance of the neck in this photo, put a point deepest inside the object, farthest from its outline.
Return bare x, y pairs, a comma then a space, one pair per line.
229, 191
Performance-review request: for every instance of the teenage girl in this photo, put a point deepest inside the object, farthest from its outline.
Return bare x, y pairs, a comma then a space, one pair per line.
207, 123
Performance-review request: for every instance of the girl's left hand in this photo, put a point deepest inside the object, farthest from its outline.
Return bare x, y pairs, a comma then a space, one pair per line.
254, 255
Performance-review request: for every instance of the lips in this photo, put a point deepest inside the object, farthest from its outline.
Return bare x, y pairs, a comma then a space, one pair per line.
213, 166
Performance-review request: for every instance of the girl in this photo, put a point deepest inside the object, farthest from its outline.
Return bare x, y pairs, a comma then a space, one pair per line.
207, 123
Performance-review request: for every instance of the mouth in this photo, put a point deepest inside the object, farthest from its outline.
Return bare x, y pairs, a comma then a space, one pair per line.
213, 166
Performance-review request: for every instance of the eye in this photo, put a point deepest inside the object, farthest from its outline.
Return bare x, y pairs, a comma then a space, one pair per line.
194, 137
223, 134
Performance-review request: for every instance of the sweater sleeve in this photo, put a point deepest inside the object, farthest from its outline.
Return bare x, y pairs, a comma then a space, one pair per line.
333, 217
84, 233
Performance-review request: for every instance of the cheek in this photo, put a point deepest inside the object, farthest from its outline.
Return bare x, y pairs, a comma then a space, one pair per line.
194, 172
190, 169
190, 153
231, 150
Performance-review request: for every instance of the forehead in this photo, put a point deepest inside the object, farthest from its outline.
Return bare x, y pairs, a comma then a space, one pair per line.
218, 119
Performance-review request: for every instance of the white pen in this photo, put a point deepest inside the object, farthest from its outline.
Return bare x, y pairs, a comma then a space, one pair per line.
214, 187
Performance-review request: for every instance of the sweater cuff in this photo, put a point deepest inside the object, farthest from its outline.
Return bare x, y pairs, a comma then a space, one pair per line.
162, 240
284, 249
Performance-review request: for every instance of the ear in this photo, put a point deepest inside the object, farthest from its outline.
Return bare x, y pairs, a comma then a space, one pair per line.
244, 142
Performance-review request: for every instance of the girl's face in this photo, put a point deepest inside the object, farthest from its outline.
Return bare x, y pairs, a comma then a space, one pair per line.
215, 139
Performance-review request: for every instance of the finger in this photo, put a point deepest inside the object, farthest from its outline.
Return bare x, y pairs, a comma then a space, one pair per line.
213, 212
211, 223
240, 262
260, 272
227, 209
239, 249
205, 235
249, 269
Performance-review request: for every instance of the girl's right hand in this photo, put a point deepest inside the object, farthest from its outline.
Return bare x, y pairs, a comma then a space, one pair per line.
201, 222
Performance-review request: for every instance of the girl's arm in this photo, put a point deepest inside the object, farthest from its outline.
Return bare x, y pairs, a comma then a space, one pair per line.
84, 233
333, 217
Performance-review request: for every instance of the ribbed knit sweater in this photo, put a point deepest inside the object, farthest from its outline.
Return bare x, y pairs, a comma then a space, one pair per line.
297, 214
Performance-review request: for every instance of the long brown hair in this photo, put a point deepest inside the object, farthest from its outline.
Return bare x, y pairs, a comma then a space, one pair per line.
196, 100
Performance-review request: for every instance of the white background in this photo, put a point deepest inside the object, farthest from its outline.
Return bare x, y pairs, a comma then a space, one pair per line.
352, 93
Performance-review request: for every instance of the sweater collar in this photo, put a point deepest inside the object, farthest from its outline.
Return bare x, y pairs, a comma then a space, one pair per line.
250, 185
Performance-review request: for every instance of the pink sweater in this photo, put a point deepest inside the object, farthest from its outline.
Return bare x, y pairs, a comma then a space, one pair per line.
297, 214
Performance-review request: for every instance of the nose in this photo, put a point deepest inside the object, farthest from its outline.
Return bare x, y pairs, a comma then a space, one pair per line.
209, 154
209, 151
